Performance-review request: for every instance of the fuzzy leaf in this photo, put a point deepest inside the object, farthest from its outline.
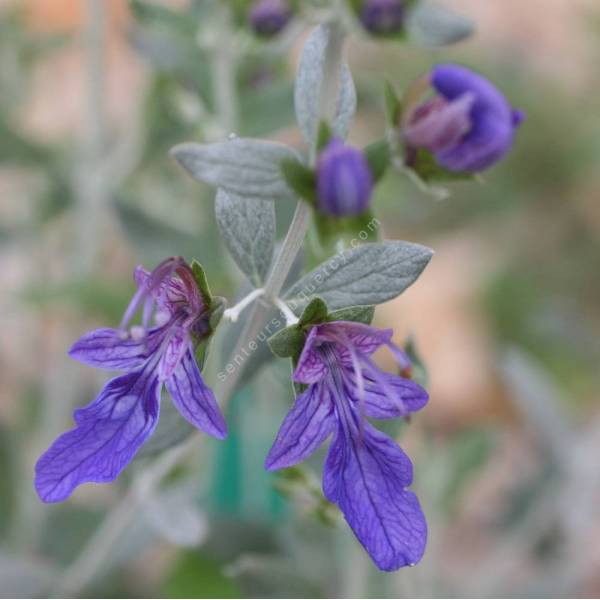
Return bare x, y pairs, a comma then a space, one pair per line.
248, 230
369, 274
300, 178
287, 342
358, 314
201, 281
308, 86
315, 312
243, 167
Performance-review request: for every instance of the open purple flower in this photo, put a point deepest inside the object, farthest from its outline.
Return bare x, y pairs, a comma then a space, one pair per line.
366, 473
468, 125
111, 429
344, 180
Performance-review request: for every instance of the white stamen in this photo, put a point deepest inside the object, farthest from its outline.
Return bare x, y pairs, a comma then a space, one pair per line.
123, 335
137, 333
233, 313
290, 317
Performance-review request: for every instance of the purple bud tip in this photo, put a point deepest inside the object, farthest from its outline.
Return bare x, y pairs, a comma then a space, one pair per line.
383, 17
468, 125
269, 17
344, 180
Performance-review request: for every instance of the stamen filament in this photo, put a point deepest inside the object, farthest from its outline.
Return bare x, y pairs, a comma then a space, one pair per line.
233, 313
290, 317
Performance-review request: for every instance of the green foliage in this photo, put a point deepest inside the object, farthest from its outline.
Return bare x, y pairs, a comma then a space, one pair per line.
300, 178
423, 163
378, 157
393, 105
198, 575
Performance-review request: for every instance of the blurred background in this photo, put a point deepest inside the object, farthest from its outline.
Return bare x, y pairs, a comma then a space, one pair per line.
506, 318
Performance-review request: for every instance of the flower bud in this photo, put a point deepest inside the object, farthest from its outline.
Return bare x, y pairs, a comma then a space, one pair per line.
468, 125
383, 17
269, 17
344, 180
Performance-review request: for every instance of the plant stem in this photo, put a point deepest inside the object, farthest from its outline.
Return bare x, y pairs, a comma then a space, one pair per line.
95, 553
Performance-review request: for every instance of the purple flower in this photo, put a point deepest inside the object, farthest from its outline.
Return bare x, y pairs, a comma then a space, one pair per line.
468, 125
344, 180
365, 473
111, 429
269, 17
383, 17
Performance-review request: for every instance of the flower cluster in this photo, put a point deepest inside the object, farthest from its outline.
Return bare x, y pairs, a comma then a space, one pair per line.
467, 125
452, 122
366, 473
109, 432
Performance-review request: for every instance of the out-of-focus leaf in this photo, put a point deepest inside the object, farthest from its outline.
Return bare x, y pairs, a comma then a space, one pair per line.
91, 296
174, 515
196, 575
155, 239
434, 25
308, 86
24, 576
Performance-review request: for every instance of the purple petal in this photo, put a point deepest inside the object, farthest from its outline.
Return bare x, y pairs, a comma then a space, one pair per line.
108, 434
304, 429
194, 399
178, 346
106, 349
333, 465
492, 132
388, 396
311, 367
443, 125
344, 180
364, 338
367, 475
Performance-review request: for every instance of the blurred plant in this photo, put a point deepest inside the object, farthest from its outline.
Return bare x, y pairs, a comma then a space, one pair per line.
201, 87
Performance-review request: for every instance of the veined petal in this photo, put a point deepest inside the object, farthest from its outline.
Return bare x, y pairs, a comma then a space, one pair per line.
108, 434
364, 338
194, 399
167, 294
177, 347
333, 465
106, 349
304, 429
388, 396
311, 367
367, 475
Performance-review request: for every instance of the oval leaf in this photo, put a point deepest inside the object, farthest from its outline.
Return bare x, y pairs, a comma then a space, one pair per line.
243, 167
308, 85
369, 274
433, 25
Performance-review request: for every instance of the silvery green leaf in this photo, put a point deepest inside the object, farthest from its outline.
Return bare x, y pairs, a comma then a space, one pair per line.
308, 85
248, 230
244, 167
25, 577
175, 517
434, 25
369, 274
